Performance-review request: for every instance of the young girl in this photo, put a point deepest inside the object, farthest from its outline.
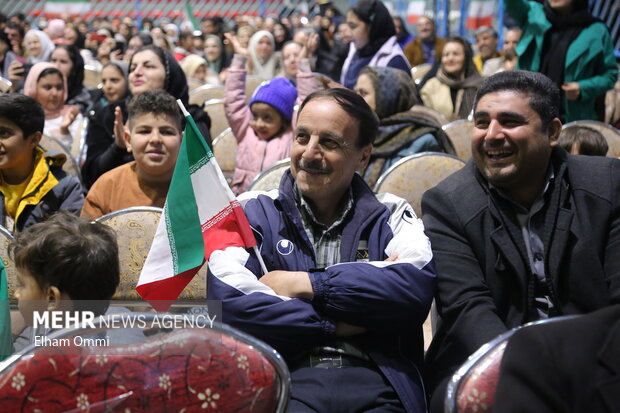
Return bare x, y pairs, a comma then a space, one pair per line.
48, 86
263, 128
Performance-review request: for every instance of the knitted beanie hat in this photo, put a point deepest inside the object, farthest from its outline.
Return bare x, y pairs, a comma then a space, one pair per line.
278, 92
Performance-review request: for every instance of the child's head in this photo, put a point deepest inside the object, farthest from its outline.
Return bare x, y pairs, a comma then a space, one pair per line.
46, 83
114, 80
21, 126
154, 135
582, 140
272, 107
63, 262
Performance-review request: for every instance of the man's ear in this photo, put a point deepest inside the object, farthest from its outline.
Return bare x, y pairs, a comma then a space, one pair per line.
554, 129
363, 162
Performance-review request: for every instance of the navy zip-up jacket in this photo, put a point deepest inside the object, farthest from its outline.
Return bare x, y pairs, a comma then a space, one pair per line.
389, 299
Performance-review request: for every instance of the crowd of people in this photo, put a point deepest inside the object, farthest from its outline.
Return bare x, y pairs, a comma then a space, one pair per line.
525, 231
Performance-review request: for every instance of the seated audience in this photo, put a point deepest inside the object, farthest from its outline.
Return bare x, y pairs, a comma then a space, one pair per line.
150, 68
70, 63
566, 43
350, 278
374, 41
426, 47
114, 86
291, 55
32, 184
263, 60
216, 59
402, 34
65, 264
39, 46
568, 366
508, 60
486, 43
48, 86
524, 231
195, 69
153, 137
262, 127
390, 93
451, 91
582, 140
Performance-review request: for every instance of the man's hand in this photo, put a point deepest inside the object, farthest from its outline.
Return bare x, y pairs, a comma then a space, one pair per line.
571, 89
294, 284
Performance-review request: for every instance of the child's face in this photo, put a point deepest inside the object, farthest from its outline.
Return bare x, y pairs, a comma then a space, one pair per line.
31, 297
15, 148
154, 142
114, 83
50, 91
266, 120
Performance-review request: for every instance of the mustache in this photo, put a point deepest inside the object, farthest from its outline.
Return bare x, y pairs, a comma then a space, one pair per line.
314, 165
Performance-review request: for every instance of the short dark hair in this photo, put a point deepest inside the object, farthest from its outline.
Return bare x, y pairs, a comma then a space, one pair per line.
24, 111
591, 142
185, 34
543, 93
158, 102
51, 71
76, 255
355, 106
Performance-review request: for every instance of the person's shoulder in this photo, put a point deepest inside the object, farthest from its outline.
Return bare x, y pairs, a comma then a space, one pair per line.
599, 174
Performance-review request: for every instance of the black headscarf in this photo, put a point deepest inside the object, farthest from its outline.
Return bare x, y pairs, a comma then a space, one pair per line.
564, 30
75, 82
175, 81
374, 14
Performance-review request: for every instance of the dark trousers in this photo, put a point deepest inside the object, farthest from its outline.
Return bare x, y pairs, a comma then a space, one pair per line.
342, 390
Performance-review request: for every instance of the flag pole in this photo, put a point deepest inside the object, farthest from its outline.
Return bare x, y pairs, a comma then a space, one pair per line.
255, 248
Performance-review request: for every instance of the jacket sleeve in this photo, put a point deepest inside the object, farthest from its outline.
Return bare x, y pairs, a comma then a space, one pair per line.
235, 105
612, 249
72, 195
469, 317
606, 69
287, 324
382, 296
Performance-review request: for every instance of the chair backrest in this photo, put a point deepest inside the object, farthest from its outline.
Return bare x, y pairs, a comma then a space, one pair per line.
92, 77
205, 93
6, 237
225, 151
472, 387
216, 369
611, 134
5, 85
418, 72
215, 109
52, 144
135, 228
251, 84
460, 132
270, 178
413, 175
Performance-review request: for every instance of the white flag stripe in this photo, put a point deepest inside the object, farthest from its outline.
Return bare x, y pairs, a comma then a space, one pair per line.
159, 261
204, 180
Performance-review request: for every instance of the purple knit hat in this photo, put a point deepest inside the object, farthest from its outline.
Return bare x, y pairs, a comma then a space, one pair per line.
278, 92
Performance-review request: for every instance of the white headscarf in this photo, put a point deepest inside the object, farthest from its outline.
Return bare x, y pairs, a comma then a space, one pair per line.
47, 46
263, 68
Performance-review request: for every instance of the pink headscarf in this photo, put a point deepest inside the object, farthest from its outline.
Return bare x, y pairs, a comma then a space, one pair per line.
56, 29
30, 88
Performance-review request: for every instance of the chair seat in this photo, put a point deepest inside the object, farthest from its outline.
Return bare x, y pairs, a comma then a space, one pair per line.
187, 370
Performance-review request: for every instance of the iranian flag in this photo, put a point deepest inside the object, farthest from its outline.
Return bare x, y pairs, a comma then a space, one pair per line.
67, 6
415, 10
480, 13
200, 215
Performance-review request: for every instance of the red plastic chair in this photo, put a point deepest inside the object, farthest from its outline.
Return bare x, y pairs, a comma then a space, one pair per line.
217, 369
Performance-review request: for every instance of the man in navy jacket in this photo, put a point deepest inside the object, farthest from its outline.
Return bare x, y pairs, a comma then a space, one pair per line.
350, 278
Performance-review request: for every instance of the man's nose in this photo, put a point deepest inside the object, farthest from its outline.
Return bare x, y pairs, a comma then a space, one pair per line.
494, 131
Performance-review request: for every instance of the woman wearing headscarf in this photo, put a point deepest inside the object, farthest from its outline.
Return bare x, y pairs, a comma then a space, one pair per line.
263, 61
452, 90
374, 41
48, 85
39, 46
217, 59
562, 40
70, 62
114, 86
150, 68
391, 93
